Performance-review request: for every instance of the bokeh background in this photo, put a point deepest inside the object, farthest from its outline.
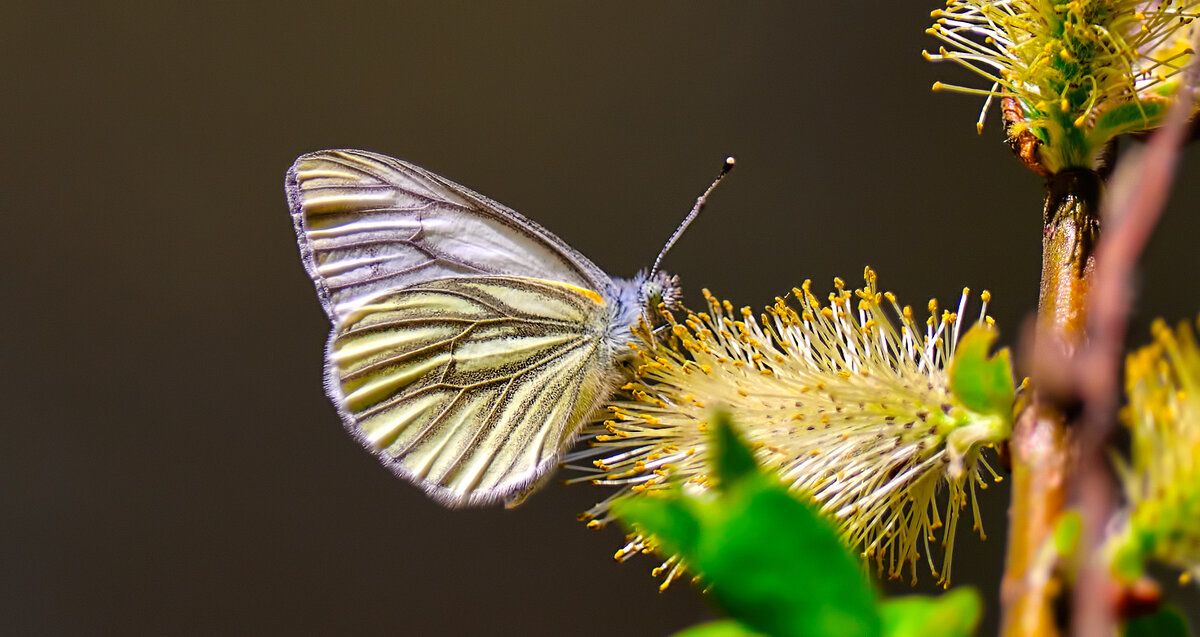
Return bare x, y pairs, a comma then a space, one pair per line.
169, 463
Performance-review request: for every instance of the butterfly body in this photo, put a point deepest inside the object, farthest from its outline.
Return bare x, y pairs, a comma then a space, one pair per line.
469, 345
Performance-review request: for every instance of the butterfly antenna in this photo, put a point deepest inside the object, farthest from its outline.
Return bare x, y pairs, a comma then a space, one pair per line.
729, 161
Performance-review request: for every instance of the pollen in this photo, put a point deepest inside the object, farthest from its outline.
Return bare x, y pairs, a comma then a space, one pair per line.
854, 411
1162, 474
1071, 75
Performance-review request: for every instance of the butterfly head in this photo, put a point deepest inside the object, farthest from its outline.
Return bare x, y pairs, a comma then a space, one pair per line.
658, 289
638, 300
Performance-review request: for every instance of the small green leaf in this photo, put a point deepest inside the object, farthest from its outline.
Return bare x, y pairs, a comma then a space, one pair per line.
1169, 621
669, 519
981, 383
720, 628
1067, 531
733, 461
1129, 117
781, 569
955, 614
1129, 556
773, 563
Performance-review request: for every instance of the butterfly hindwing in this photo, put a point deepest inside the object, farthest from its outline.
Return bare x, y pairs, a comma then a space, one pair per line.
368, 223
471, 386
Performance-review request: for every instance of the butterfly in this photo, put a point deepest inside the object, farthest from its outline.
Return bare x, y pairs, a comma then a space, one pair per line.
469, 344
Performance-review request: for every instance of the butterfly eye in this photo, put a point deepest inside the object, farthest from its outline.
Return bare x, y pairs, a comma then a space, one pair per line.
672, 293
661, 289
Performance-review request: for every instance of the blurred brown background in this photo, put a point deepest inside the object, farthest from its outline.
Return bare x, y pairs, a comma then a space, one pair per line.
169, 463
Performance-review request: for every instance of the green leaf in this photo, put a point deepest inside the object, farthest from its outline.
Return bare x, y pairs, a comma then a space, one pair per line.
732, 461
773, 563
720, 628
1130, 554
669, 519
1169, 621
1129, 117
1067, 530
781, 569
955, 614
981, 383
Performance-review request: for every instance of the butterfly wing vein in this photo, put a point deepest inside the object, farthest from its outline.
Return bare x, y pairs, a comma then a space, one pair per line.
469, 343
471, 386
369, 223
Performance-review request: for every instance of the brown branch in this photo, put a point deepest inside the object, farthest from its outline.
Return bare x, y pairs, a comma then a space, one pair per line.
1083, 312
1137, 197
1041, 437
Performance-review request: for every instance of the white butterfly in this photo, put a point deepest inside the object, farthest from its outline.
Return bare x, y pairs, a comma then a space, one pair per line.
469, 344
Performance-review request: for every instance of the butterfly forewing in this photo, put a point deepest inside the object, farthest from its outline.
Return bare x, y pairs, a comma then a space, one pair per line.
471, 385
368, 224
